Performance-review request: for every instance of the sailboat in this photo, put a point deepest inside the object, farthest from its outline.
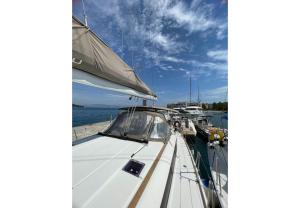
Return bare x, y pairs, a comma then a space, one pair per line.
140, 160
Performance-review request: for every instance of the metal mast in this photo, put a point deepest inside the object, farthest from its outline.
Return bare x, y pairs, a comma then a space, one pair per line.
198, 95
190, 89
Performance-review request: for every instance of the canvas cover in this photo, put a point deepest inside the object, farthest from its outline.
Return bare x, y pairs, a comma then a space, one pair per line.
91, 55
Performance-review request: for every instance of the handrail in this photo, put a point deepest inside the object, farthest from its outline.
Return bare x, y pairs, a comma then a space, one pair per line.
205, 203
211, 181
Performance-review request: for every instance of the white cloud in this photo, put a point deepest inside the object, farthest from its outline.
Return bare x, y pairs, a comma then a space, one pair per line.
192, 20
167, 68
153, 55
217, 94
200, 69
220, 55
144, 28
173, 59
221, 31
147, 23
181, 69
165, 42
214, 66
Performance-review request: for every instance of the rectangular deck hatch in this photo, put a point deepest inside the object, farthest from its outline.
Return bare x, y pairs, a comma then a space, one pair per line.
134, 167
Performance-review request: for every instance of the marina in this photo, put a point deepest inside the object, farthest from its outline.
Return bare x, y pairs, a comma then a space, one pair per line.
143, 155
149, 104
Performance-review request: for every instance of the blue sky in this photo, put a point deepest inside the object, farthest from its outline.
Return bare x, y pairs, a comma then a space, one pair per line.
165, 42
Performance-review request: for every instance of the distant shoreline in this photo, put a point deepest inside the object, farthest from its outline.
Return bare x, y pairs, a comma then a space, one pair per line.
77, 106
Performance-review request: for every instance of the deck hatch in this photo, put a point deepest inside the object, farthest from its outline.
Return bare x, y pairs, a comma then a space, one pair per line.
134, 167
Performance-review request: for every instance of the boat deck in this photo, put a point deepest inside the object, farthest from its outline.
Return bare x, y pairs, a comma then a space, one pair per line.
188, 129
185, 190
98, 174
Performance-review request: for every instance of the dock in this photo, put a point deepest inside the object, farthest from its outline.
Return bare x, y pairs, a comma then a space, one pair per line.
80, 132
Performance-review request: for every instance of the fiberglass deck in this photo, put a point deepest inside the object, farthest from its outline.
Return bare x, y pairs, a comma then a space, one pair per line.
185, 191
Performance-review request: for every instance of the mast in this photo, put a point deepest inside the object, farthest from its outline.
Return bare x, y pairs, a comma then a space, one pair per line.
198, 95
190, 89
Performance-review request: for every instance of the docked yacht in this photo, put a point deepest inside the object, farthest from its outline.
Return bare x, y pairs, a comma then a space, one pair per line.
185, 126
140, 160
196, 116
194, 110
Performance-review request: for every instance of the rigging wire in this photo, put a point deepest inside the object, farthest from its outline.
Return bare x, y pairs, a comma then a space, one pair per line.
84, 13
122, 43
130, 113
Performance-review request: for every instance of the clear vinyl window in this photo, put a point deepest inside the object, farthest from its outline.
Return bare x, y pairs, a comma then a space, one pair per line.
134, 125
160, 129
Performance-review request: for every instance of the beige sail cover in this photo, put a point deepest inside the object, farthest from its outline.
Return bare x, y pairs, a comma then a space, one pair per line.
93, 56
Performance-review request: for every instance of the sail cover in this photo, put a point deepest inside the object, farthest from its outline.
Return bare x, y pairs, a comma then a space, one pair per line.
92, 57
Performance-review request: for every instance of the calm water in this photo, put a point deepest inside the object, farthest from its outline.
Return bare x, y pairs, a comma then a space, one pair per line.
218, 119
82, 116
198, 144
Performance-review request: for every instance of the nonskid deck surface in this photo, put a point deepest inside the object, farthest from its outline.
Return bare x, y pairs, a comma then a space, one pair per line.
185, 191
99, 181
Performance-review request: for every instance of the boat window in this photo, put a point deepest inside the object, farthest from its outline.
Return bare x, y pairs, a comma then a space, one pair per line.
191, 109
167, 115
182, 111
134, 125
160, 129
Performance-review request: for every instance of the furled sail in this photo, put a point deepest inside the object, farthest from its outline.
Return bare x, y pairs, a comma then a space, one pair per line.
95, 64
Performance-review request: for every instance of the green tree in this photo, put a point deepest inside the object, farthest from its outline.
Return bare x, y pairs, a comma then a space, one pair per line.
214, 106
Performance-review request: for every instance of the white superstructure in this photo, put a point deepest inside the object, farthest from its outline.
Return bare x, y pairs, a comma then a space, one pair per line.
195, 110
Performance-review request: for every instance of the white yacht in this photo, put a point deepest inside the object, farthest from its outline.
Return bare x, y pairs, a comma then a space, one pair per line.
195, 110
140, 160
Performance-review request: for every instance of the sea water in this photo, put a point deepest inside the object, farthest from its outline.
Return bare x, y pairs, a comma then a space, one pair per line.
197, 144
83, 116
